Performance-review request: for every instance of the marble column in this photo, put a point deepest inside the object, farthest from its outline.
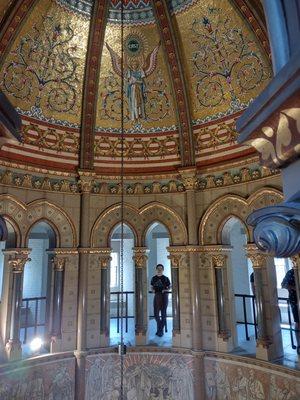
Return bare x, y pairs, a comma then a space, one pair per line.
16, 262
190, 181
224, 332
140, 258
269, 342
104, 261
175, 260
57, 302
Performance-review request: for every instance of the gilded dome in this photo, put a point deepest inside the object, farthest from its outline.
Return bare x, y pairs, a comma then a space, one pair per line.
190, 68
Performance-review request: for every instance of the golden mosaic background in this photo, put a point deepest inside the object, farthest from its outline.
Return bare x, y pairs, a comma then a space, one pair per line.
205, 49
159, 103
54, 40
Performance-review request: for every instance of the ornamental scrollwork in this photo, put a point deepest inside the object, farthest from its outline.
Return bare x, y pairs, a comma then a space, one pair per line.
225, 62
44, 67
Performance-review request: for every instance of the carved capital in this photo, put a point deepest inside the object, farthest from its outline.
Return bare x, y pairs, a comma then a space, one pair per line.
258, 259
18, 259
140, 257
85, 181
104, 261
224, 334
264, 342
219, 260
175, 260
296, 261
59, 263
189, 178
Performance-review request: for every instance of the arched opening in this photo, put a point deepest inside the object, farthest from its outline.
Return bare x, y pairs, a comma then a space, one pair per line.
128, 286
9, 243
37, 283
157, 242
240, 292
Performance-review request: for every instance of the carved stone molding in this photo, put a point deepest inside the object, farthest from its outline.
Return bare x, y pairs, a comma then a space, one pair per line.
140, 256
86, 181
219, 260
59, 263
189, 178
17, 259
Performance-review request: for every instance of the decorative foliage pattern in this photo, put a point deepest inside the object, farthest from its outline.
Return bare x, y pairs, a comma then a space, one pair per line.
106, 146
50, 138
44, 64
225, 62
211, 137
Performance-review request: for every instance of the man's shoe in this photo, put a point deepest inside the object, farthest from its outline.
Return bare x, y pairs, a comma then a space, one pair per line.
160, 334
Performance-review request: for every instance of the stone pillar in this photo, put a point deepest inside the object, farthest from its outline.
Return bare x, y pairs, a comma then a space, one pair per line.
17, 259
141, 294
225, 320
269, 341
104, 261
190, 181
57, 302
175, 259
85, 184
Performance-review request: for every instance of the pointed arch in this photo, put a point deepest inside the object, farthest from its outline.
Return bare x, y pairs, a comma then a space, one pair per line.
232, 205
25, 215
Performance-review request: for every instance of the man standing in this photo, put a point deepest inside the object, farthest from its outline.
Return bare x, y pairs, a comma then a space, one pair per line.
290, 284
160, 284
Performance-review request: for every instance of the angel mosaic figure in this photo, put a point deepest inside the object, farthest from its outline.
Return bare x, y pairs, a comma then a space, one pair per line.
135, 86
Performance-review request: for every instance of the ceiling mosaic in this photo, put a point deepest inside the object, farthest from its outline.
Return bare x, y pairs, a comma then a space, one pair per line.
147, 93
137, 12
203, 64
43, 72
224, 64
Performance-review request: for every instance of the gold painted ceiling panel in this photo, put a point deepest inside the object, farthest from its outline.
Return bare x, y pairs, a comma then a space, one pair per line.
148, 101
224, 64
43, 72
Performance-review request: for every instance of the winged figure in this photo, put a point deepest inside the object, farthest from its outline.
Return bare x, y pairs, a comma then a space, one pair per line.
135, 73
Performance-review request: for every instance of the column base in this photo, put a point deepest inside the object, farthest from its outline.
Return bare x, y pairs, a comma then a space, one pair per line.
13, 350
140, 339
104, 340
225, 342
176, 341
266, 350
55, 345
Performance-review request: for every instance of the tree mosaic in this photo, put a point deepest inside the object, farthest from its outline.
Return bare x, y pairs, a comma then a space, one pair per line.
44, 67
226, 63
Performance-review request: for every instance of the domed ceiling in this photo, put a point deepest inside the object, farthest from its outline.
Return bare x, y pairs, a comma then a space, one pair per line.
190, 69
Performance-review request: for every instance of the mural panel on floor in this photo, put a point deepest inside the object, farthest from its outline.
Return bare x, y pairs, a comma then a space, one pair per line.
146, 377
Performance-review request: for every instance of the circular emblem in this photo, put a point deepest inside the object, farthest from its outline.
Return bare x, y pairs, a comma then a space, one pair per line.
133, 45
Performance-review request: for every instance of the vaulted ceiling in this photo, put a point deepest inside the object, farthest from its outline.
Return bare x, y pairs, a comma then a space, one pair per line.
191, 67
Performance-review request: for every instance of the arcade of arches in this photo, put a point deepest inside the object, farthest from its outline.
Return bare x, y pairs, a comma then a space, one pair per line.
190, 190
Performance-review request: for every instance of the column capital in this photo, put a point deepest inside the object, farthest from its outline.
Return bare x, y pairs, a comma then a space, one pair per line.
296, 261
175, 259
257, 258
17, 258
86, 180
188, 177
140, 256
59, 263
219, 260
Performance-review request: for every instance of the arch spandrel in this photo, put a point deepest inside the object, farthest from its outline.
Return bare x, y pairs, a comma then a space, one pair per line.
139, 220
236, 206
26, 215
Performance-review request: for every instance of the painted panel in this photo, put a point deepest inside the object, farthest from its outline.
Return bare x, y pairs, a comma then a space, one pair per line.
53, 380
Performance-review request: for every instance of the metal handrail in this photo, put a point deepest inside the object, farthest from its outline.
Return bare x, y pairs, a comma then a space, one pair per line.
37, 301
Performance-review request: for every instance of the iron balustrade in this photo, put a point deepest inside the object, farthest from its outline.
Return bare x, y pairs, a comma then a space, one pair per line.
125, 313
32, 308
251, 320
